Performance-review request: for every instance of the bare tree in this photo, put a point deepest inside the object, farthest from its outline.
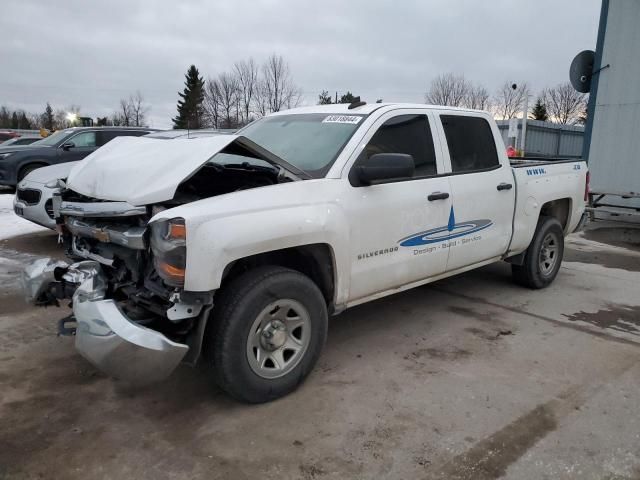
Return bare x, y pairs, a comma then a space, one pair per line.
261, 101
138, 109
60, 119
277, 85
116, 120
228, 91
211, 103
564, 104
247, 74
477, 98
125, 113
132, 111
448, 89
509, 101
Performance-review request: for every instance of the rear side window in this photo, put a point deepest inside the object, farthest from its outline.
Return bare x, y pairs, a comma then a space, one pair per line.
409, 134
85, 139
105, 136
471, 143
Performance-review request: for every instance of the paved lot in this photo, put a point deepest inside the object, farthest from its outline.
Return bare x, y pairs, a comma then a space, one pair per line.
471, 377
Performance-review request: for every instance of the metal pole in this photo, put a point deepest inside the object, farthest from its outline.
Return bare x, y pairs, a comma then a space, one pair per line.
525, 112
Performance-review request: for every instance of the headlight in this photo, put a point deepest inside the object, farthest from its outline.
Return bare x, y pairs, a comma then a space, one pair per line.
169, 246
5, 155
57, 183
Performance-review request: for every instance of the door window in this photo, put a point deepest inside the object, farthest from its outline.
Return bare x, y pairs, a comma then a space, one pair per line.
408, 134
84, 139
105, 136
471, 143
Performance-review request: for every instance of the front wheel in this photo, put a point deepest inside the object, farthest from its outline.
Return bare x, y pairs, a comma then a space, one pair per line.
268, 330
543, 257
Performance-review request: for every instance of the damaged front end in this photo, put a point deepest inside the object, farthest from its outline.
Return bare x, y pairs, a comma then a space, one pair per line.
105, 335
132, 318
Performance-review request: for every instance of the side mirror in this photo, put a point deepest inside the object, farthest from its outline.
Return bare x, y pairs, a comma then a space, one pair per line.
68, 145
385, 166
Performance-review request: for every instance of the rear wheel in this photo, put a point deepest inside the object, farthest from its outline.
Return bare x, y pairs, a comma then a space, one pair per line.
268, 330
543, 257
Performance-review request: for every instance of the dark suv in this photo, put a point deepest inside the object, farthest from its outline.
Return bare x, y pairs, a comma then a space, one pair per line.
62, 146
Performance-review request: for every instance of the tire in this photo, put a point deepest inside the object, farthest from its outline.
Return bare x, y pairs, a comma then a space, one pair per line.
543, 257
244, 345
24, 171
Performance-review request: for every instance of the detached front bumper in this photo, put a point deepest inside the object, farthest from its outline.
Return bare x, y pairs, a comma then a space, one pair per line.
105, 336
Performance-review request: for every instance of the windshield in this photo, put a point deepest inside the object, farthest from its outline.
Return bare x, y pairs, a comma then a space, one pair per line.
54, 139
309, 141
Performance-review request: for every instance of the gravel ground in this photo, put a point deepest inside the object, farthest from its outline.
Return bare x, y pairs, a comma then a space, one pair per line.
470, 377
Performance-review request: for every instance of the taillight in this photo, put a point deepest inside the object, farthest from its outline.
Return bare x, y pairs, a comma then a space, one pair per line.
586, 186
169, 246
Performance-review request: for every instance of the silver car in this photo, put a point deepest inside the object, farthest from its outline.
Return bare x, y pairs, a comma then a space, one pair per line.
34, 196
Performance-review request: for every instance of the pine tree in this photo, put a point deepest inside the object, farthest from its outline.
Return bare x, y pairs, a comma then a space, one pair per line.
190, 108
347, 98
23, 122
539, 111
14, 120
324, 98
47, 117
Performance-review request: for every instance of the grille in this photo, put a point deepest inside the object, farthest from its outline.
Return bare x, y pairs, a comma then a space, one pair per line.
29, 196
48, 206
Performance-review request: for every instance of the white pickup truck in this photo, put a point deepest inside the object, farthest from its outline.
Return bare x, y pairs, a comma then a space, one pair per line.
240, 246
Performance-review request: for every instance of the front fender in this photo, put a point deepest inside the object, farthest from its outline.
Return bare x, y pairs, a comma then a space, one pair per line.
214, 244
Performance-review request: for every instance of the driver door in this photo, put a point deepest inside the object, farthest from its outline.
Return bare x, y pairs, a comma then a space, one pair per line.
395, 225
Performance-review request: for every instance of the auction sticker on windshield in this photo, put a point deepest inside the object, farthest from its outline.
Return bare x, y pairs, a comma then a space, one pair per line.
353, 119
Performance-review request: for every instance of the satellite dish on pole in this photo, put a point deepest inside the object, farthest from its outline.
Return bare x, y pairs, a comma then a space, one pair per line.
581, 71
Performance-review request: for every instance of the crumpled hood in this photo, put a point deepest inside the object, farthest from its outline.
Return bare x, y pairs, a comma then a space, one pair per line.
140, 170
52, 172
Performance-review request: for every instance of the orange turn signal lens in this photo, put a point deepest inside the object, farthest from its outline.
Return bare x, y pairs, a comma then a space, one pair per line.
170, 272
177, 231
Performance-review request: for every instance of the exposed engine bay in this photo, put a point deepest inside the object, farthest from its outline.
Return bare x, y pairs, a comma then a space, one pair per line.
144, 265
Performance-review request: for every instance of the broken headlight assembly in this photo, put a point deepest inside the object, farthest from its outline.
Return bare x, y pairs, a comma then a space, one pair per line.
169, 247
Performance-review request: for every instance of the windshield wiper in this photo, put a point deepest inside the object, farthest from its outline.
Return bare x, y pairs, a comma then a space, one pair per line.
262, 153
251, 166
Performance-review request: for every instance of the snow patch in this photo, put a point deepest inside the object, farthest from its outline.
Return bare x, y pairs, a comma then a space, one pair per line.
12, 225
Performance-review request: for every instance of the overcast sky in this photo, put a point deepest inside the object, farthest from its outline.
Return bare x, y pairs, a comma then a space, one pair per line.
92, 53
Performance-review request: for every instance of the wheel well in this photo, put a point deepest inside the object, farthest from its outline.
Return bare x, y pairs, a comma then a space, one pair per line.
559, 209
314, 261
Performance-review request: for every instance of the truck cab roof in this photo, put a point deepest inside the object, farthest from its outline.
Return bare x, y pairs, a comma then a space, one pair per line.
367, 109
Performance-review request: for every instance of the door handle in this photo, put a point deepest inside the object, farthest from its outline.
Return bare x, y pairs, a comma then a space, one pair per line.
438, 196
504, 186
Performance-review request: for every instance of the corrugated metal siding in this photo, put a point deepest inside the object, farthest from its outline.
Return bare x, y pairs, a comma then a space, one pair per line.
614, 152
547, 139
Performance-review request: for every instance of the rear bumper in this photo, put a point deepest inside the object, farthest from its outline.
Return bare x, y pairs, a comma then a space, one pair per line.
105, 336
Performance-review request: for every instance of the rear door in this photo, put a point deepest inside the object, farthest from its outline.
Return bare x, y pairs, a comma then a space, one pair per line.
105, 136
482, 189
395, 225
